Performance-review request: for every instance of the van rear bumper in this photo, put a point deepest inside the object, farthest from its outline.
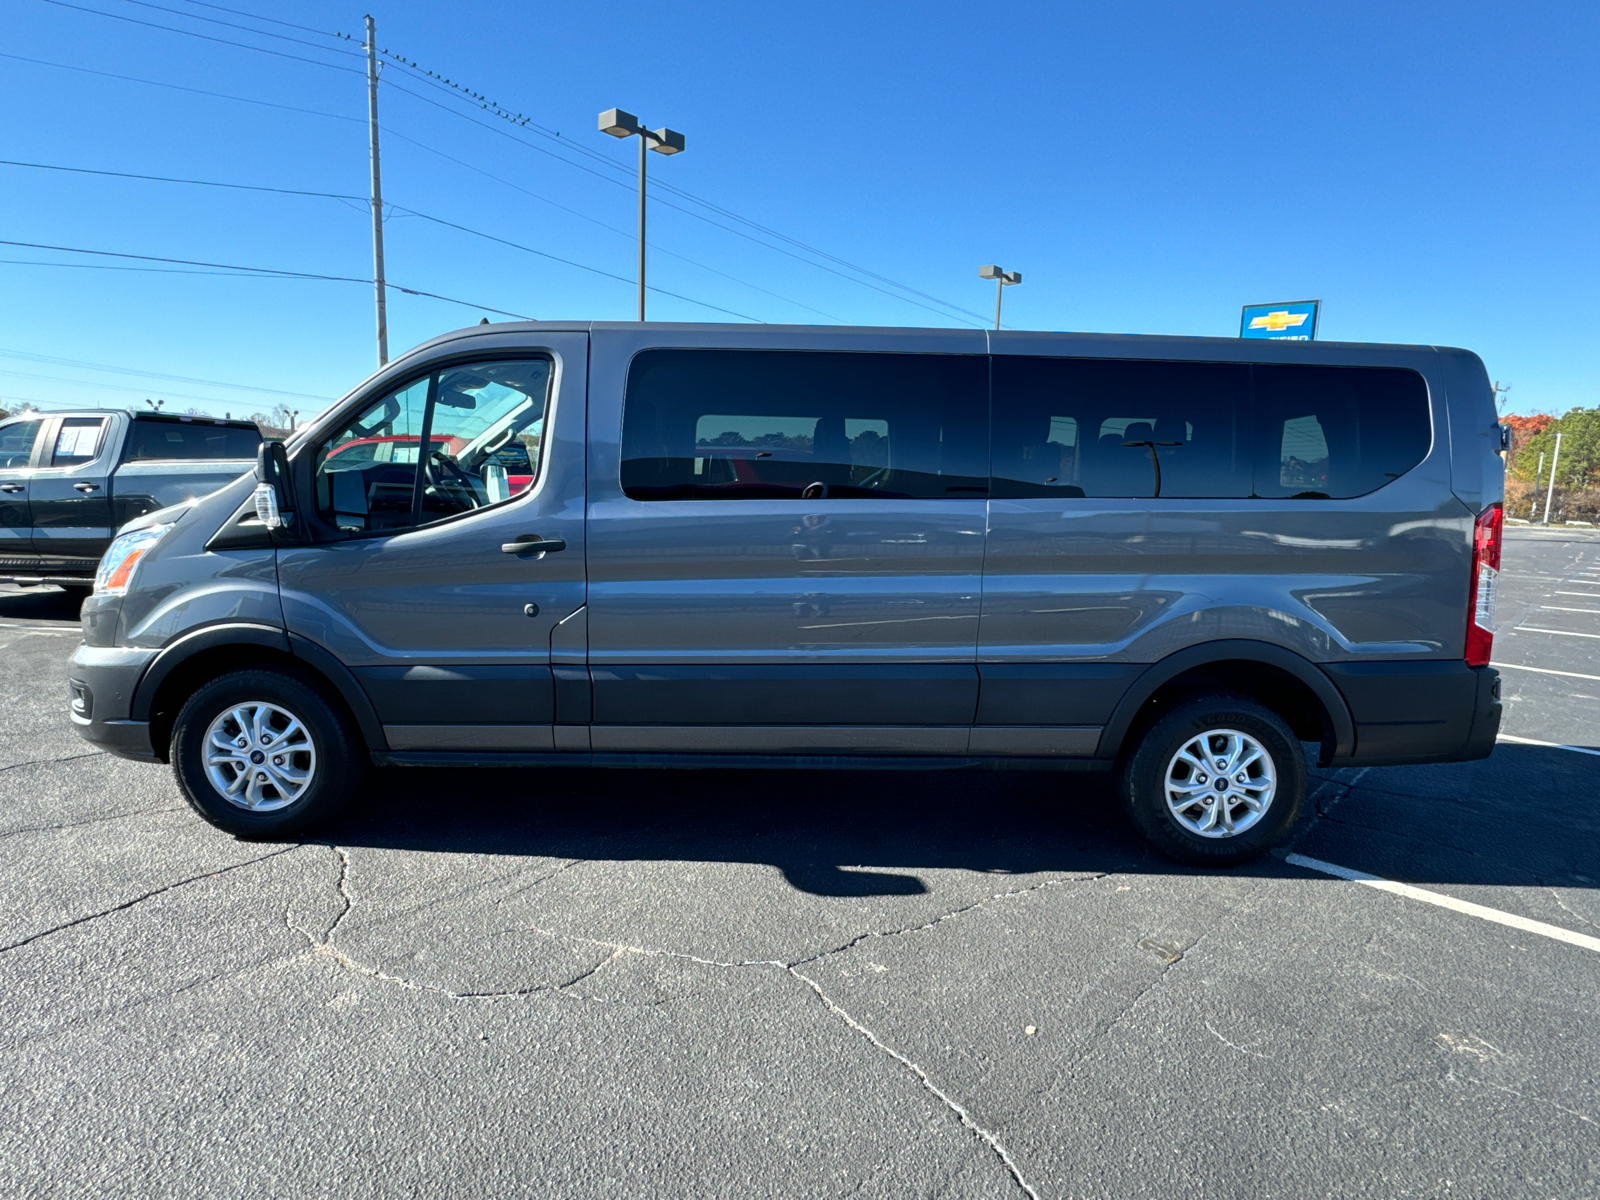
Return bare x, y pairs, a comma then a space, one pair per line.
1418, 712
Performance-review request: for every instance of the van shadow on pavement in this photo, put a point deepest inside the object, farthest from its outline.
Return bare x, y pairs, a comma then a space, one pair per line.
1525, 817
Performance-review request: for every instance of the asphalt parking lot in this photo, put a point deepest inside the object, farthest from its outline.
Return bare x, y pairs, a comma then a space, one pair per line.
792, 984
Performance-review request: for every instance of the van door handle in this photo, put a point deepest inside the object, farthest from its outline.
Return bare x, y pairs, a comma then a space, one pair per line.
86, 488
12, 489
532, 543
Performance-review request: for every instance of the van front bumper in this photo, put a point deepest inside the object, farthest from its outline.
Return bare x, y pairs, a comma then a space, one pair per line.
1419, 712
100, 686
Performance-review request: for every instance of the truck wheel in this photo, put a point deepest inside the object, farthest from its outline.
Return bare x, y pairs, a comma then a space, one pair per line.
261, 754
1217, 781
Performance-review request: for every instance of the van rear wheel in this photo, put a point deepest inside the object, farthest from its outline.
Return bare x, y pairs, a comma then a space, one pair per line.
260, 753
1217, 781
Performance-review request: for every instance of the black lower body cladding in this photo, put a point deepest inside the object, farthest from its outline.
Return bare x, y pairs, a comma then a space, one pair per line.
1419, 712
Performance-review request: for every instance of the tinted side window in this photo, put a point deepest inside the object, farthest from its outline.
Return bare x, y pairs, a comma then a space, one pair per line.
16, 443
1112, 427
1334, 432
77, 441
153, 440
780, 424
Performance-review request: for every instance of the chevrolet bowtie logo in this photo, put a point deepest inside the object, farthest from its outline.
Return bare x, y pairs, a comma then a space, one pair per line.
1278, 321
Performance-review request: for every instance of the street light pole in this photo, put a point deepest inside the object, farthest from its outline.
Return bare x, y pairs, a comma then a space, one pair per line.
1002, 280
620, 124
1550, 485
644, 144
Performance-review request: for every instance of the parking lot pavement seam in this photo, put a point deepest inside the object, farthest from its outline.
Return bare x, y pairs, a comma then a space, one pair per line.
1500, 1087
1234, 1045
122, 816
325, 949
344, 891
40, 762
951, 915
1168, 964
925, 1080
150, 895
1556, 896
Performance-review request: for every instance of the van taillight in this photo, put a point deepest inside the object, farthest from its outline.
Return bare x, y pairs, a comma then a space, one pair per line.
1485, 578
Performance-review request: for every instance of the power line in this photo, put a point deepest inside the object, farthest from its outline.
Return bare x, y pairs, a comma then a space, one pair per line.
596, 270
583, 216
243, 187
205, 37
946, 311
458, 91
257, 17
32, 262
79, 364
41, 62
118, 387
178, 12
398, 208
405, 138
273, 272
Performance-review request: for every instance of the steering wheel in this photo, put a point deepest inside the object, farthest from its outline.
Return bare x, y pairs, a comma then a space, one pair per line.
461, 478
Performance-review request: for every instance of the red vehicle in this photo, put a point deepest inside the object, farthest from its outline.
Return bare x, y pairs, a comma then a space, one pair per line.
401, 448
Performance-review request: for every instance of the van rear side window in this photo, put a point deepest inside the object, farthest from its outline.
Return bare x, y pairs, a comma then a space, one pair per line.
1329, 433
790, 425
1113, 427
1195, 430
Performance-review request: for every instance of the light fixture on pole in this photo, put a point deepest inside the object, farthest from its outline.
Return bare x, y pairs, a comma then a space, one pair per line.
663, 141
1002, 279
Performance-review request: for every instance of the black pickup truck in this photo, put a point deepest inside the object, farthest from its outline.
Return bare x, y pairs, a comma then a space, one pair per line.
69, 480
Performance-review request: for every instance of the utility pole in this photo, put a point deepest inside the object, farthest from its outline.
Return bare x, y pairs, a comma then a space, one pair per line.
1550, 488
377, 196
1497, 391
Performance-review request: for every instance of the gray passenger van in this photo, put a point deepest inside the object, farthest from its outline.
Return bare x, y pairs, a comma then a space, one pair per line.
617, 544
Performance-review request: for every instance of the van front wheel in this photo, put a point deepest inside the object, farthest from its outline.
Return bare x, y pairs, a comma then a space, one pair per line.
261, 754
1217, 781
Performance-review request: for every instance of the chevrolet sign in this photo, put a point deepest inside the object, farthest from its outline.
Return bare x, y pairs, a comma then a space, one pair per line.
1295, 321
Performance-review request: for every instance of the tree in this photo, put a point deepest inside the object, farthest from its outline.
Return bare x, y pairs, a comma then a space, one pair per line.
1580, 450
1523, 428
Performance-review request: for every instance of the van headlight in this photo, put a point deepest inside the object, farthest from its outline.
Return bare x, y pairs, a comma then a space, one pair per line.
122, 557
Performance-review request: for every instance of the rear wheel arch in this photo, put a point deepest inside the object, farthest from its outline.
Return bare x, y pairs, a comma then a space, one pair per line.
1278, 679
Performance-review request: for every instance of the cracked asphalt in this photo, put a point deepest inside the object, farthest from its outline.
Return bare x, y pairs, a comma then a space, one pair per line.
792, 984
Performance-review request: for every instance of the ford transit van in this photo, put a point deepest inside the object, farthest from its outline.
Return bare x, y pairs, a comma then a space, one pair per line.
1189, 561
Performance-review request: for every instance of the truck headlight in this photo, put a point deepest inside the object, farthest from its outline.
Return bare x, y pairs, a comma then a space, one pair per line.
122, 557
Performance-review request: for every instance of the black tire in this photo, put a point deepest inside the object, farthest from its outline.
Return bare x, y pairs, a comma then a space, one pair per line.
333, 769
1144, 779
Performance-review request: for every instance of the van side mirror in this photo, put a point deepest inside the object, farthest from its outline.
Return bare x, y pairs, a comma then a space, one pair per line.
274, 502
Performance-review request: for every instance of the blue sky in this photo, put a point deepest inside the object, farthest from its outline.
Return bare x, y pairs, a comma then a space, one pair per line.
1428, 170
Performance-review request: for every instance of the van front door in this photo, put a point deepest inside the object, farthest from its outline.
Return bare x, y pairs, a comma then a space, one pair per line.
786, 541
423, 496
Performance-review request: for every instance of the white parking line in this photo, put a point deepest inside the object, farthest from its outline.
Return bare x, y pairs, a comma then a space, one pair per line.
1545, 671
1443, 901
1562, 632
1558, 608
1511, 737
1585, 595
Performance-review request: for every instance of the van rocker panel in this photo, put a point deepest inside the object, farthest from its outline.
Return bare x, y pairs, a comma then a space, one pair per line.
460, 695
823, 694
